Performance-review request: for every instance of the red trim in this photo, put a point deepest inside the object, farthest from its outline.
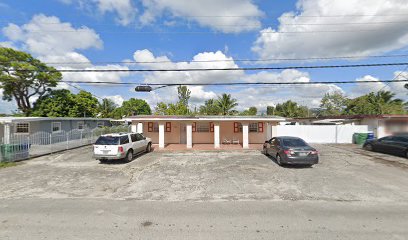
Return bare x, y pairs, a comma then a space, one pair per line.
260, 127
150, 127
211, 127
236, 127
168, 126
194, 127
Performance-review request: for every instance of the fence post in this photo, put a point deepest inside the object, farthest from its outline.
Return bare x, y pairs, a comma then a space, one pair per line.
50, 142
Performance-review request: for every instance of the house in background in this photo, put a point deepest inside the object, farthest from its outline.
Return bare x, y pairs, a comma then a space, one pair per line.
381, 125
215, 130
13, 126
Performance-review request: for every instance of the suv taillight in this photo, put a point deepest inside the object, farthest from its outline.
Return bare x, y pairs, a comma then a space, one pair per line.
120, 149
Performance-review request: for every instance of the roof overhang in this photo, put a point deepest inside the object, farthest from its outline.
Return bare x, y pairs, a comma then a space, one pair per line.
207, 118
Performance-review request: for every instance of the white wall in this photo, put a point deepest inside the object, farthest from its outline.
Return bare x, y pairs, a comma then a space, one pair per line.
321, 133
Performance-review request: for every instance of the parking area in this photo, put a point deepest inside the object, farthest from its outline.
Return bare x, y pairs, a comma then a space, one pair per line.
345, 173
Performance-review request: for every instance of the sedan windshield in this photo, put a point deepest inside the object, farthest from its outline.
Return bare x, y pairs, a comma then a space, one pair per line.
107, 140
295, 142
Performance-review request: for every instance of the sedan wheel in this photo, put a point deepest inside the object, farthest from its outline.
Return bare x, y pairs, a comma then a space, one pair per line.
264, 151
368, 147
406, 154
149, 148
279, 160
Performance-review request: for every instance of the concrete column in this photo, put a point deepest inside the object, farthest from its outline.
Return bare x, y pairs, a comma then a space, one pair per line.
7, 133
268, 131
134, 127
189, 135
245, 135
161, 135
140, 127
216, 135
381, 129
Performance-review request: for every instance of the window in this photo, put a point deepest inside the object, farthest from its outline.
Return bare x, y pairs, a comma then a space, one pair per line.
100, 124
253, 127
56, 127
202, 127
134, 137
140, 137
81, 125
152, 127
22, 128
124, 139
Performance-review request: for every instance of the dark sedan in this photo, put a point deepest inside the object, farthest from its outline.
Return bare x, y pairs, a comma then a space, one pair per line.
397, 145
291, 150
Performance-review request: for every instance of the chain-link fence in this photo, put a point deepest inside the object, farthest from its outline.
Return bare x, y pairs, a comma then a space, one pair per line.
19, 147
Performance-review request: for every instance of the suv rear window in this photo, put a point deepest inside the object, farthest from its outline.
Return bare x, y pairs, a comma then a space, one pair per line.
107, 140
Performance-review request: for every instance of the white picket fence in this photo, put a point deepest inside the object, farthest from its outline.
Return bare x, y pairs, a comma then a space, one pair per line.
19, 147
321, 133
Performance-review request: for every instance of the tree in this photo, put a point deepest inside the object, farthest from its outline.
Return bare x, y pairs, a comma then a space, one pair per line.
183, 94
252, 111
333, 103
23, 78
226, 104
270, 110
106, 108
160, 109
63, 103
382, 102
210, 107
133, 107
290, 109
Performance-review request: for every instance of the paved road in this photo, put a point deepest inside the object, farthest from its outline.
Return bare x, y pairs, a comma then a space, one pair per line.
116, 219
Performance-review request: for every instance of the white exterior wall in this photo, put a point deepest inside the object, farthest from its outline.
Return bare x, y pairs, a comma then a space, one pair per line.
321, 133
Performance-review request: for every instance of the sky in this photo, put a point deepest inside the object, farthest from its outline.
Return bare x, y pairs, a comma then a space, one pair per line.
177, 34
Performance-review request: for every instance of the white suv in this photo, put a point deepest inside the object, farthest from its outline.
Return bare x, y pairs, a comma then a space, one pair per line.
121, 146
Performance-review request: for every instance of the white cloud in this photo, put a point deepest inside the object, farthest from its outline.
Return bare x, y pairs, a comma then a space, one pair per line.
365, 88
7, 44
362, 39
117, 99
96, 76
188, 77
124, 9
244, 14
45, 35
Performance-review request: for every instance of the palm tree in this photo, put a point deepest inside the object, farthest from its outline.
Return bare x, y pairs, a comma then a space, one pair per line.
383, 102
226, 104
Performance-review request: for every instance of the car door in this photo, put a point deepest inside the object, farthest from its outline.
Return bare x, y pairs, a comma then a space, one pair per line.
273, 147
385, 144
135, 142
398, 145
142, 142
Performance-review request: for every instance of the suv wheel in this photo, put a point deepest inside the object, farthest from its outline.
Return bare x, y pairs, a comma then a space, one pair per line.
149, 147
129, 156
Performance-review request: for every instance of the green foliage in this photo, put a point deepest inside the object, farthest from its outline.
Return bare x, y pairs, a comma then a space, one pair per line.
252, 111
210, 107
270, 110
226, 104
132, 107
333, 104
23, 78
382, 102
183, 95
63, 103
289, 109
107, 108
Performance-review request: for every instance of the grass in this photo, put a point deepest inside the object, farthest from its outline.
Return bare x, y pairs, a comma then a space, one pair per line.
7, 164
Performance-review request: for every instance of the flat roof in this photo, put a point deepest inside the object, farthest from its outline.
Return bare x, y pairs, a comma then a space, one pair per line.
34, 119
204, 118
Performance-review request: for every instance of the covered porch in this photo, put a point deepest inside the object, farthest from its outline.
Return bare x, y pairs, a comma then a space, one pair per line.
206, 132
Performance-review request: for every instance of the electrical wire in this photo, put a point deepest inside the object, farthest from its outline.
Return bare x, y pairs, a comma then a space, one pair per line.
233, 83
220, 69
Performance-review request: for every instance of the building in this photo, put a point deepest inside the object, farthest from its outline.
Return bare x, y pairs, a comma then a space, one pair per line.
13, 126
216, 130
381, 125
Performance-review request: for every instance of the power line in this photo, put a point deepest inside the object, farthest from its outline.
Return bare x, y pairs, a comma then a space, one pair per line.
226, 60
234, 83
221, 69
395, 78
80, 89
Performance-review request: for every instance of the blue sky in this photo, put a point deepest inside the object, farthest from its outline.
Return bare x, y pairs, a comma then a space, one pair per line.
96, 31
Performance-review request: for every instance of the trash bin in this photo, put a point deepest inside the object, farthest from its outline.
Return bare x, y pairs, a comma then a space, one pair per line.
359, 138
370, 136
12, 152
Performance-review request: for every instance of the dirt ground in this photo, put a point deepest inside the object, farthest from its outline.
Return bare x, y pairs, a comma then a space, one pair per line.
345, 173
